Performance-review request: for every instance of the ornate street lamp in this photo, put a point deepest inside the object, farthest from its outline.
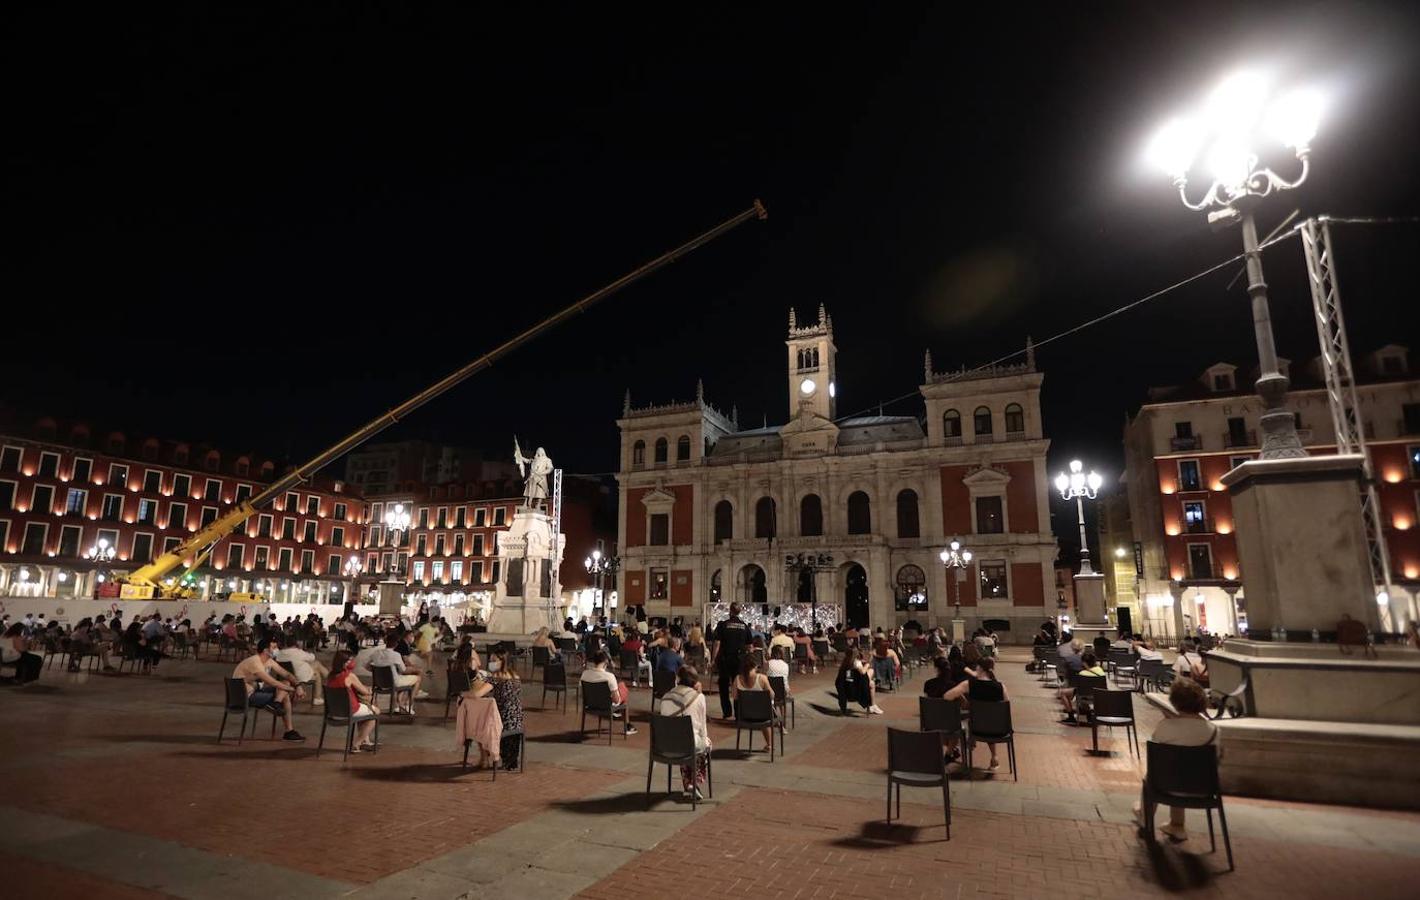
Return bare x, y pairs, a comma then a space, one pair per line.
103, 551
397, 521
1078, 486
1239, 115
956, 560
601, 567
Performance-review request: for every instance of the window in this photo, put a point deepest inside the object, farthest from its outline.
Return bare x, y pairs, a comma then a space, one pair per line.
951, 424
212, 491
662, 451
1392, 365
35, 535
243, 493
1194, 519
660, 584
42, 499
113, 508
439, 545
312, 505
476, 572
283, 559
83, 470
461, 517
424, 518
993, 579
860, 518
337, 537
982, 418
811, 516
308, 561
76, 502
69, 537
478, 546
1015, 418
170, 544
764, 519
1237, 432
243, 466
293, 502
907, 526
1200, 561
288, 529
310, 536
7, 495
148, 512
263, 558
48, 465
1410, 420
235, 552
110, 535
373, 562
1222, 382
342, 511
142, 548
443, 517
456, 571
10, 459
500, 515
660, 529
682, 448
911, 593
458, 545
182, 486
480, 517
152, 481
263, 526
989, 516
1188, 475
421, 545
436, 570
118, 475
4, 536
638, 454
209, 515
1235, 461
332, 565
1183, 429
177, 515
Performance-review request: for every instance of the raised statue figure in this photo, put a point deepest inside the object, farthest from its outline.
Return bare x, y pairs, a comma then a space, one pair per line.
534, 472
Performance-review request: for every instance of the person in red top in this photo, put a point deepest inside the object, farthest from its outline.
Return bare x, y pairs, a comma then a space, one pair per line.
634, 643
342, 675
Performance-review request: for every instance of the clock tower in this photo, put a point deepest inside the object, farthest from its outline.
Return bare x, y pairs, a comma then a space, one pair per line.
812, 367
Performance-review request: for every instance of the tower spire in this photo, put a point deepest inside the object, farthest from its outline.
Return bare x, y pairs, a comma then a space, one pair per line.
793, 322
1030, 353
822, 314
626, 403
700, 390
927, 366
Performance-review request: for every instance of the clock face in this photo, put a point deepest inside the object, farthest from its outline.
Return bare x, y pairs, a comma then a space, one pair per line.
832, 389
807, 387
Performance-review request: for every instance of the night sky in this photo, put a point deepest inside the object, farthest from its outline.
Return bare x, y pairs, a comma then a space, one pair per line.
262, 231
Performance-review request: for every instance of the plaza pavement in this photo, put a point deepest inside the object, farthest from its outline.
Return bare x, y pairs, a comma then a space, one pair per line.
115, 787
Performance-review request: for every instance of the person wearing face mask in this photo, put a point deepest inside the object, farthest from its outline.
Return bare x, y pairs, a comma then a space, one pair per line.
342, 677
506, 689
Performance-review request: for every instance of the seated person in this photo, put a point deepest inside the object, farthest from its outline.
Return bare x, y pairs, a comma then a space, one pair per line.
686, 699
269, 686
634, 644
1089, 666
809, 659
781, 639
543, 639
503, 684
1190, 664
342, 676
855, 682
670, 659
778, 666
1145, 649
405, 676
15, 651
1187, 726
751, 679
596, 671
304, 663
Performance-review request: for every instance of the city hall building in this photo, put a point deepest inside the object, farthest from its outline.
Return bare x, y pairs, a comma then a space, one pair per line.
711, 511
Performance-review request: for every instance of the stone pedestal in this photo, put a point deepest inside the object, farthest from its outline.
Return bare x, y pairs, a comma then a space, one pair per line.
527, 596
391, 597
1302, 544
1091, 621
958, 630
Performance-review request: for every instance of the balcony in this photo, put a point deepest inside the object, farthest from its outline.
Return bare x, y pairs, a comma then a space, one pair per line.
1233, 440
1200, 526
1184, 444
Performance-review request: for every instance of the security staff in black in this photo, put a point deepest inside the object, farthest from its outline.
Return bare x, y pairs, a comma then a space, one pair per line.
731, 637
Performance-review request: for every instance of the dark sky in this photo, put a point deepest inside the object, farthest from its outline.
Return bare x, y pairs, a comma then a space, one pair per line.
260, 228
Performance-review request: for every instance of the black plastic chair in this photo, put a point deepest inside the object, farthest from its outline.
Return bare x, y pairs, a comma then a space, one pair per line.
783, 700
661, 682
1185, 777
980, 689
915, 759
821, 650
55, 647
1149, 674
673, 744
540, 657
236, 702
522, 752
459, 681
801, 657
290, 667
339, 713
382, 678
1085, 687
554, 679
991, 724
596, 699
1113, 709
630, 665
941, 716
755, 710
1123, 664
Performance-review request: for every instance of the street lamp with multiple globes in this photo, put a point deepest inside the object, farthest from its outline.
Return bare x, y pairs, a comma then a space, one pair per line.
397, 520
955, 559
1239, 114
1078, 485
601, 567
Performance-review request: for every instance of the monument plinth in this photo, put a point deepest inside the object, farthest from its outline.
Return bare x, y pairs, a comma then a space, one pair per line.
527, 594
1090, 619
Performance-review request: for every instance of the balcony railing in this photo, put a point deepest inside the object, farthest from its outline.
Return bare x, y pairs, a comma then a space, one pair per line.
1192, 442
1239, 439
1200, 526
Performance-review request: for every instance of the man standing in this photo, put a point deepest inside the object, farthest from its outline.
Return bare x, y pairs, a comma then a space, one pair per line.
268, 684
730, 639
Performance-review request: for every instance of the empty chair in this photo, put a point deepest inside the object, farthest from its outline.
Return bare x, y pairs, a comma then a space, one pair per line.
554, 680
755, 710
673, 744
383, 679
338, 713
596, 699
1185, 777
915, 759
991, 724
1113, 709
783, 700
459, 681
941, 716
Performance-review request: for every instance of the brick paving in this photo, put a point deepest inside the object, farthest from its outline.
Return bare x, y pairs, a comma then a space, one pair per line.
136, 756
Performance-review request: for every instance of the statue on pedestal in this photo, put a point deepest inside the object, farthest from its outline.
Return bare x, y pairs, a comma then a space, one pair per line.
534, 472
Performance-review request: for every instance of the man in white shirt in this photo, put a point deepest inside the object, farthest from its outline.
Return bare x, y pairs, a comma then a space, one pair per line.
362, 663
781, 639
306, 667
596, 671
405, 677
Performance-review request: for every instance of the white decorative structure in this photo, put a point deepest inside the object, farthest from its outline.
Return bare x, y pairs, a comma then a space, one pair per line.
527, 594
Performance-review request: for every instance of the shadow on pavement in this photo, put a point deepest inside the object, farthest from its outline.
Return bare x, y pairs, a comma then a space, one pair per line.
607, 806
418, 773
1174, 870
877, 834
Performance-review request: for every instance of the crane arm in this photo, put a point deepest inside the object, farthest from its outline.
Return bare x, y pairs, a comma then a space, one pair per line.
153, 572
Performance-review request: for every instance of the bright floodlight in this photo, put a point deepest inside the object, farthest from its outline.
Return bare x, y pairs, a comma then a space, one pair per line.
1062, 482
1235, 106
966, 555
1230, 161
1382, 598
1094, 481
943, 556
956, 545
1174, 147
1293, 119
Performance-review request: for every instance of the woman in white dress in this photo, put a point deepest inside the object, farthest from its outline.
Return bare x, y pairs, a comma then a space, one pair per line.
685, 699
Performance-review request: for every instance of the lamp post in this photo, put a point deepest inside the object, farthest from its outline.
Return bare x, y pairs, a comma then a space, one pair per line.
1078, 485
1236, 116
955, 560
397, 520
103, 553
601, 566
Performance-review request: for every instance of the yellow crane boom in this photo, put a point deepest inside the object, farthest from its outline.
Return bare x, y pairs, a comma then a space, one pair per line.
145, 582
